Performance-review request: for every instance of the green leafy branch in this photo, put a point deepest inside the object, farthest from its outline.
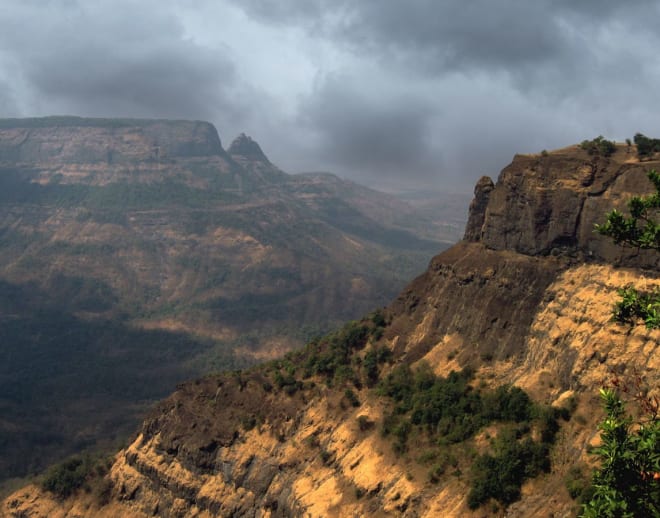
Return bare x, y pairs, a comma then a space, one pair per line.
635, 305
626, 485
641, 231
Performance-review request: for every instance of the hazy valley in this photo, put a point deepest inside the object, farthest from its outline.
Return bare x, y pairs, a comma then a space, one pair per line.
135, 254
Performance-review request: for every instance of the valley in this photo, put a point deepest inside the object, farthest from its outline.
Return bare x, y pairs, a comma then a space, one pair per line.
135, 254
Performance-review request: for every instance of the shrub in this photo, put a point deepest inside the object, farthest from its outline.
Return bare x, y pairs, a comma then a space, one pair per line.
625, 484
67, 477
646, 146
577, 484
639, 231
599, 146
378, 319
500, 476
351, 397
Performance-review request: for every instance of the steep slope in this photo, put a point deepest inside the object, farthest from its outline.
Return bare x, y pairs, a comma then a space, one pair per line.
118, 234
523, 300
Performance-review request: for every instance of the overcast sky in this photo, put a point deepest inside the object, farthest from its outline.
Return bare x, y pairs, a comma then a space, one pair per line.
421, 93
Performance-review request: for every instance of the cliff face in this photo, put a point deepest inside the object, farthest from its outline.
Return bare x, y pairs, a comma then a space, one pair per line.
545, 205
67, 140
525, 300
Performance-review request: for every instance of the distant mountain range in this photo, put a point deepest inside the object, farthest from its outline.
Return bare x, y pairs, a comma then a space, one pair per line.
137, 253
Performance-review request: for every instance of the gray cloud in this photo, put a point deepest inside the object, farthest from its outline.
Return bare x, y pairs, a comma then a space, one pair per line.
372, 135
550, 44
117, 59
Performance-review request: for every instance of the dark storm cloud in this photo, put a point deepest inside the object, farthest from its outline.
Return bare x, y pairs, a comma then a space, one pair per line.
363, 133
454, 33
501, 76
115, 59
528, 40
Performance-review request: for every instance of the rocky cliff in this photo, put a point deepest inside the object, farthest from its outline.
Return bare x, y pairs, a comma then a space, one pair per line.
548, 205
71, 140
525, 299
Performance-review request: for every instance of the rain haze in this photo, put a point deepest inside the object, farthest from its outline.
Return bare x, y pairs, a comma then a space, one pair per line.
419, 94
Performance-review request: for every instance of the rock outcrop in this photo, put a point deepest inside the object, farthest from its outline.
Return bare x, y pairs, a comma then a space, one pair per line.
246, 148
549, 204
478, 207
524, 300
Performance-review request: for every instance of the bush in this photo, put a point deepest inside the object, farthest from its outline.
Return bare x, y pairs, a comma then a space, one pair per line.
351, 397
364, 423
599, 146
646, 146
67, 477
578, 485
625, 484
449, 410
639, 231
332, 355
501, 476
378, 319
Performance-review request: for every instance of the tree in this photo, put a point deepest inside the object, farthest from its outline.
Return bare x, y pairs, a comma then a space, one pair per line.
646, 146
628, 481
599, 146
642, 232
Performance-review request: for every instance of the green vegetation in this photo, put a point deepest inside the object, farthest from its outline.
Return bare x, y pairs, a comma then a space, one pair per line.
441, 414
364, 423
626, 484
448, 411
16, 187
59, 372
578, 485
352, 398
499, 476
646, 146
642, 232
635, 305
80, 471
599, 146
334, 356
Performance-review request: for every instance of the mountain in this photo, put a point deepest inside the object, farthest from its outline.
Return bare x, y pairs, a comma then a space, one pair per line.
135, 254
175, 230
524, 300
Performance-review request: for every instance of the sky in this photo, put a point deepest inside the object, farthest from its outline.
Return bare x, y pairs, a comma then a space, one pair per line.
418, 94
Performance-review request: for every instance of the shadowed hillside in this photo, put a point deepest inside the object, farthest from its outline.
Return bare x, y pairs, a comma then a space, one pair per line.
137, 253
